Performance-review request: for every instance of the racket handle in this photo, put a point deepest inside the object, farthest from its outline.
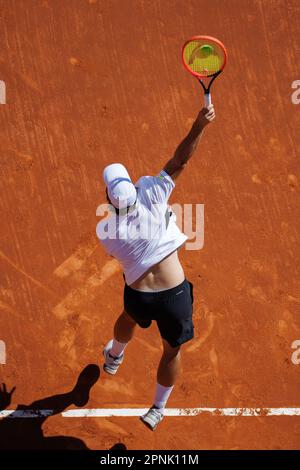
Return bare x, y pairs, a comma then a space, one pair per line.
207, 99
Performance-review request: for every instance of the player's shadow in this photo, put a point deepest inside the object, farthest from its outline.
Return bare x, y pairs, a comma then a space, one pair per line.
26, 433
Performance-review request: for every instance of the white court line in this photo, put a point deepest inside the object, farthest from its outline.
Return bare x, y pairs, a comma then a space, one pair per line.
105, 412
126, 412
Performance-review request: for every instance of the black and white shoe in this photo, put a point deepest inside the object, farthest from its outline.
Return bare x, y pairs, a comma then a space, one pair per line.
111, 364
152, 418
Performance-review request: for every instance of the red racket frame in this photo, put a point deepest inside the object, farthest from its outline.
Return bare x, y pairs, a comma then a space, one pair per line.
209, 38
199, 76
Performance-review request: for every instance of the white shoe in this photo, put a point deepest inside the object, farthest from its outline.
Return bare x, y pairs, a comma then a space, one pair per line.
152, 418
111, 364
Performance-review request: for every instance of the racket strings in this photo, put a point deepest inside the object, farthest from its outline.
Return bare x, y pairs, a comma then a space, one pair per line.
204, 57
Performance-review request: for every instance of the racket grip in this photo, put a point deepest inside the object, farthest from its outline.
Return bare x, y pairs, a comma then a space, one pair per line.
207, 99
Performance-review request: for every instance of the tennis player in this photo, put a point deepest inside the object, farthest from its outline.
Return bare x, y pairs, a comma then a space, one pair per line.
142, 235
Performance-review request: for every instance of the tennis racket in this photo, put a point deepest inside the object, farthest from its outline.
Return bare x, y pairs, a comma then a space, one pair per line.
204, 57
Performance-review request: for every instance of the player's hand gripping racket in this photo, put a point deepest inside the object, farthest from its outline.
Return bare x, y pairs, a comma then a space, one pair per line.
204, 57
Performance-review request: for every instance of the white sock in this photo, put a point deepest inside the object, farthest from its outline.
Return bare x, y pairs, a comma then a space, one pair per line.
117, 348
162, 395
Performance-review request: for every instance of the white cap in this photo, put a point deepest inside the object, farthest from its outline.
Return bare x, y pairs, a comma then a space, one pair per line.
121, 191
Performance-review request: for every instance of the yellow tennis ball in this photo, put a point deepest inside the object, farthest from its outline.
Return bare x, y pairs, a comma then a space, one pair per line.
206, 50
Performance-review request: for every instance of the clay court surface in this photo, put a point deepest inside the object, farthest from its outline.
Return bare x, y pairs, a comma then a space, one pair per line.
93, 82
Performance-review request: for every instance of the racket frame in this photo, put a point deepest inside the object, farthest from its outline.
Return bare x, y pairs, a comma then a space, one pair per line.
199, 76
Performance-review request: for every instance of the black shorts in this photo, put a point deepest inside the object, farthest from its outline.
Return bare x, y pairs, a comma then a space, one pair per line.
172, 309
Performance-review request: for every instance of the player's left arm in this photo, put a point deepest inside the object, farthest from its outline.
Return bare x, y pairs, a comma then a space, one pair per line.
189, 144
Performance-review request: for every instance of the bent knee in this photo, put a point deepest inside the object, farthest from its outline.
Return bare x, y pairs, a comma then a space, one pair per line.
169, 350
127, 317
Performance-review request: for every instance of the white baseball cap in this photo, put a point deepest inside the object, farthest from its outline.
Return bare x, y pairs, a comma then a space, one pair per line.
121, 191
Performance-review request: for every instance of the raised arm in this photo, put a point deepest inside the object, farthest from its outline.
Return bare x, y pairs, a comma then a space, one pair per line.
189, 144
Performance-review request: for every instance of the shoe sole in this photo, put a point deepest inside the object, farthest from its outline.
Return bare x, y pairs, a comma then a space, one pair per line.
108, 371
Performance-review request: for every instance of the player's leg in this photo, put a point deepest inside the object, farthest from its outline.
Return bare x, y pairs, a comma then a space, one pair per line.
123, 333
114, 350
169, 365
167, 374
176, 328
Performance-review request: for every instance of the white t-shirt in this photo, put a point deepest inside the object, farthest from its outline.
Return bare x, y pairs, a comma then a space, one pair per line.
146, 234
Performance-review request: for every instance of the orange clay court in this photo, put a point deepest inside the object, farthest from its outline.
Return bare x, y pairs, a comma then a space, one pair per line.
92, 82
